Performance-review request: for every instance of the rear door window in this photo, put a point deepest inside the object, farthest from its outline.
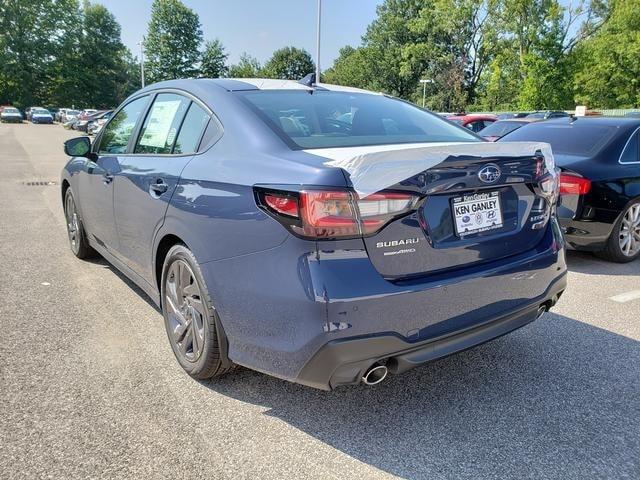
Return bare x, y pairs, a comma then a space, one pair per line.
631, 151
119, 130
191, 131
160, 128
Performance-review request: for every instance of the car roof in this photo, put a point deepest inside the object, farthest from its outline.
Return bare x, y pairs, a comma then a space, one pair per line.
611, 121
473, 116
519, 120
245, 84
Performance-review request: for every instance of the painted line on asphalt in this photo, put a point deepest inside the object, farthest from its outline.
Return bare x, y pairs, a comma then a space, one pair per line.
626, 297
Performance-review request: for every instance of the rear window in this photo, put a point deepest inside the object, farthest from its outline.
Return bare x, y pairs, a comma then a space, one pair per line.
578, 138
499, 129
11, 110
325, 119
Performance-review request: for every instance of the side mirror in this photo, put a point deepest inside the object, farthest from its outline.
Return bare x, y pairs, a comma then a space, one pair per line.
79, 147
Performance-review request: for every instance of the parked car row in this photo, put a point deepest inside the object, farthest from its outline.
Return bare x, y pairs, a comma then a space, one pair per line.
88, 120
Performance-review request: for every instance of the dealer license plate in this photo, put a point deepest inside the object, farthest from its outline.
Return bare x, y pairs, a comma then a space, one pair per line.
475, 213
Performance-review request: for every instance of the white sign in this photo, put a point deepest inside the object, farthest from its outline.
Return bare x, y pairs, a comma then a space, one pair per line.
159, 123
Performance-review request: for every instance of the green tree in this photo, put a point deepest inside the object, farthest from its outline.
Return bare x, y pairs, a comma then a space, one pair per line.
173, 40
351, 68
32, 35
247, 67
289, 63
214, 60
385, 44
538, 38
102, 63
608, 64
448, 42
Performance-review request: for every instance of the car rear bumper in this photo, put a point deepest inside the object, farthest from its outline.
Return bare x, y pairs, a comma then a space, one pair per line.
586, 235
345, 361
281, 306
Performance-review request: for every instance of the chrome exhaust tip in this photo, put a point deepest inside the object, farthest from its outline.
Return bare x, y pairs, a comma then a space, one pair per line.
375, 375
541, 310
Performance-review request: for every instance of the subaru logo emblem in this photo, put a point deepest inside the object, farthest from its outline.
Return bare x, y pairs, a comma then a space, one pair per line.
490, 173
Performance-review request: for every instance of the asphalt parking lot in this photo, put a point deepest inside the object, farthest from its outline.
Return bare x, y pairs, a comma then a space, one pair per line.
90, 388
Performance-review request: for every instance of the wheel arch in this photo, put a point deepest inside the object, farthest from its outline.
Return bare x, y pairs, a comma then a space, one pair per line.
164, 245
63, 188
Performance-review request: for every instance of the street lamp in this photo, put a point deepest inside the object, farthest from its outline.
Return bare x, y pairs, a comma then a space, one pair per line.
141, 44
318, 43
424, 82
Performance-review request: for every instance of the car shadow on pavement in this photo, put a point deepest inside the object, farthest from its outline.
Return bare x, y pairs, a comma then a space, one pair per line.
586, 262
99, 260
556, 399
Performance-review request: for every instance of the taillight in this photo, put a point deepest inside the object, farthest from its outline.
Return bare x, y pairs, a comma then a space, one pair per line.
378, 209
573, 184
282, 204
329, 214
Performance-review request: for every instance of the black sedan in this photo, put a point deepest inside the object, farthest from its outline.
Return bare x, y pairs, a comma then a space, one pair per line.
600, 181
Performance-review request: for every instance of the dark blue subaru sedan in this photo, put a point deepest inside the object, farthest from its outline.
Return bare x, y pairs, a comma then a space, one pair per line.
321, 234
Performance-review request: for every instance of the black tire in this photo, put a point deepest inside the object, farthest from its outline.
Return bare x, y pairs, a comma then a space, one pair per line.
613, 251
190, 317
75, 229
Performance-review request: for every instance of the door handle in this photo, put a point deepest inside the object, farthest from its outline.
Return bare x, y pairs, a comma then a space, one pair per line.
107, 178
158, 187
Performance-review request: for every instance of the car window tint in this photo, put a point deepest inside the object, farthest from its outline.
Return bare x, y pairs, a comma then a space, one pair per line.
578, 138
161, 125
118, 131
631, 152
340, 119
191, 130
500, 128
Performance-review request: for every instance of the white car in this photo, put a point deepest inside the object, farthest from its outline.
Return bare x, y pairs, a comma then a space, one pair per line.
10, 114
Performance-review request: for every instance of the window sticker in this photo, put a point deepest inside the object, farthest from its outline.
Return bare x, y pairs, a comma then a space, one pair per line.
158, 127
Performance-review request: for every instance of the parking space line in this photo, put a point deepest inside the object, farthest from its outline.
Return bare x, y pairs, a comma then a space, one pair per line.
626, 297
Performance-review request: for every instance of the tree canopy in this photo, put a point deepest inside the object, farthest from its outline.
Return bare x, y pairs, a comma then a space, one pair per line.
475, 54
172, 42
62, 52
499, 54
214, 60
247, 67
288, 63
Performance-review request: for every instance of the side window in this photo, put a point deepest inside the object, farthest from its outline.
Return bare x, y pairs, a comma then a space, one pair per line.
476, 125
631, 152
161, 125
118, 131
191, 130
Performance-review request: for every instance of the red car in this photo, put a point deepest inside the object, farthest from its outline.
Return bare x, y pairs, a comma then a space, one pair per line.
499, 129
474, 122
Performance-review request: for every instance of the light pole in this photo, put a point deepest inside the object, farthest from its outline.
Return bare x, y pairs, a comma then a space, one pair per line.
424, 82
141, 44
318, 42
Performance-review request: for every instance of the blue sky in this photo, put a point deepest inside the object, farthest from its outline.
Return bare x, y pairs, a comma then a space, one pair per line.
258, 27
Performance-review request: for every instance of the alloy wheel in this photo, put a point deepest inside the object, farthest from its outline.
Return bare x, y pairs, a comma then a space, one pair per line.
186, 312
630, 231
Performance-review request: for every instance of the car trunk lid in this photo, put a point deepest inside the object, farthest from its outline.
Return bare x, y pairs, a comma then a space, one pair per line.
474, 204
